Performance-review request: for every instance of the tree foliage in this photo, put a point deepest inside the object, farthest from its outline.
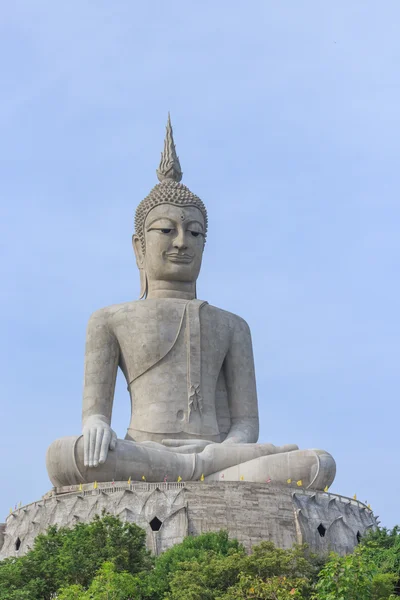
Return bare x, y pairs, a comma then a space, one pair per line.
238, 576
384, 549
109, 584
353, 577
107, 560
192, 551
64, 557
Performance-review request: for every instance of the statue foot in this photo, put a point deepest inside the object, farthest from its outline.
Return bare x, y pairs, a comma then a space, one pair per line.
315, 469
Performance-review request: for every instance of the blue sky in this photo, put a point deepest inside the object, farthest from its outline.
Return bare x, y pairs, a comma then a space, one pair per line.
287, 125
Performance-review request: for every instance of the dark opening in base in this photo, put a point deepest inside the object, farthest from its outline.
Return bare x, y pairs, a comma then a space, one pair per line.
155, 524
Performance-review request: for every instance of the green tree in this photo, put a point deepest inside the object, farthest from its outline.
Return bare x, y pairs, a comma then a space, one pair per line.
64, 557
72, 592
384, 547
273, 588
353, 577
107, 560
268, 572
196, 550
109, 584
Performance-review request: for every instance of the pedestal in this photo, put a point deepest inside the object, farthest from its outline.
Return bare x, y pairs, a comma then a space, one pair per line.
250, 512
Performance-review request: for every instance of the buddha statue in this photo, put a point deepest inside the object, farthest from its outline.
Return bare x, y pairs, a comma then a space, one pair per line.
188, 366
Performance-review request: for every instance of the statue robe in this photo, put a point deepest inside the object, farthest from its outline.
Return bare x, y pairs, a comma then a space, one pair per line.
172, 353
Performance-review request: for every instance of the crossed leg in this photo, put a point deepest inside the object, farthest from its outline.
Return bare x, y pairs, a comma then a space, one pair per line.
253, 462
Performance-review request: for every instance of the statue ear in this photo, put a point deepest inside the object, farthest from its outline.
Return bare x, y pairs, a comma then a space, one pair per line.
137, 247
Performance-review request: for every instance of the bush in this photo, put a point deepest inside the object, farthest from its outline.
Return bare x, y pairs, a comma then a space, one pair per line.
107, 560
354, 577
64, 557
108, 584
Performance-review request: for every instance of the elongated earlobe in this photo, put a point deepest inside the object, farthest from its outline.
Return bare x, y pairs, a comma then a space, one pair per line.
143, 284
140, 261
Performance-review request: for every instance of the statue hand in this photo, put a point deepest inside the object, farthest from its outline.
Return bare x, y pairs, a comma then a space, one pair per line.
186, 446
98, 438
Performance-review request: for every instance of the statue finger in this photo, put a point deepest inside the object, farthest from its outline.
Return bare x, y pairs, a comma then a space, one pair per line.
86, 445
97, 448
288, 448
151, 444
174, 442
177, 443
92, 446
189, 449
113, 441
105, 444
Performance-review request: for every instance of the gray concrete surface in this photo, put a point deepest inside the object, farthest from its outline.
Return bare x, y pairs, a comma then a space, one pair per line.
250, 512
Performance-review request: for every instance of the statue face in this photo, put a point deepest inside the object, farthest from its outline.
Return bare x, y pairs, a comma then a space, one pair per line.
174, 239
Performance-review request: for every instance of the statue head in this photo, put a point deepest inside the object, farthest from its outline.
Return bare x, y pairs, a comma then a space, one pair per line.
170, 226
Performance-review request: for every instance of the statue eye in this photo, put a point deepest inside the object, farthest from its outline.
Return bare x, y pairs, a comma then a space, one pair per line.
195, 233
166, 230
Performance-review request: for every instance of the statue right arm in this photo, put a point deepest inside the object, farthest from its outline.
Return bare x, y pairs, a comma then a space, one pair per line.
101, 364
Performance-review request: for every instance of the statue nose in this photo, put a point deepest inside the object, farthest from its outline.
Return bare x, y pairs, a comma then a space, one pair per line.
180, 242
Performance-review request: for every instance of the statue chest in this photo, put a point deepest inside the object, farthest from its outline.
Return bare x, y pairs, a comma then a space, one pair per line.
172, 355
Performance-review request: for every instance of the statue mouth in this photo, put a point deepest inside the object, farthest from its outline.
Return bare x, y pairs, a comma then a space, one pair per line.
175, 257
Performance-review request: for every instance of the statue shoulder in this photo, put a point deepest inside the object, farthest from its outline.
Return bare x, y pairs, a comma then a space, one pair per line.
107, 314
233, 321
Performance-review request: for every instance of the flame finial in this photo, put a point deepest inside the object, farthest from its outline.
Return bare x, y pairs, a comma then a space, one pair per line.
169, 168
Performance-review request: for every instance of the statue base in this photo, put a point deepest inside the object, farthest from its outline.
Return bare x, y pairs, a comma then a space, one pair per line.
250, 512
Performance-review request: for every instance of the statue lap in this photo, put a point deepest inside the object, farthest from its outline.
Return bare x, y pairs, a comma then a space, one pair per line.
228, 462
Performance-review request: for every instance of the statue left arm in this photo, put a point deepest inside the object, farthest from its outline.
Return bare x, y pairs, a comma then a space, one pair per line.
241, 386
